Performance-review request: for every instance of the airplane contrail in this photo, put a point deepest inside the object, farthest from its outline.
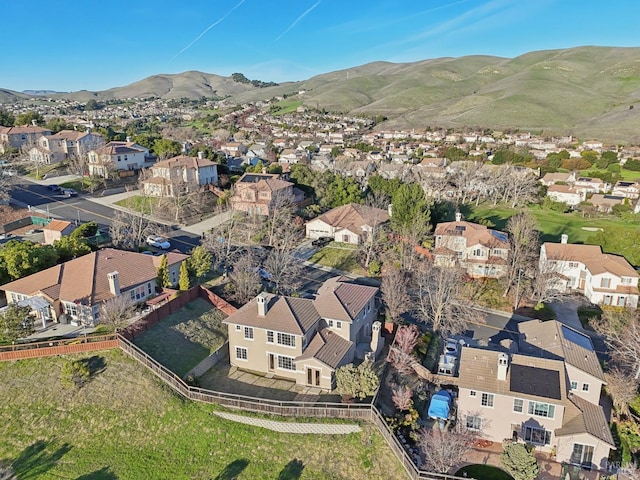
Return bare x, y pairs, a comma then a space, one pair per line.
295, 22
207, 29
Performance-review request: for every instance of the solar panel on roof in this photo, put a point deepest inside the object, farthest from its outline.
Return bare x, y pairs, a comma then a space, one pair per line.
499, 235
540, 382
577, 338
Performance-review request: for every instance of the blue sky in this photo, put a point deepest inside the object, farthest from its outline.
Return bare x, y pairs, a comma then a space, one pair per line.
69, 46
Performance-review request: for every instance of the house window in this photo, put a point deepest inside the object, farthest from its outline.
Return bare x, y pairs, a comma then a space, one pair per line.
574, 385
248, 333
487, 400
585, 387
338, 324
573, 264
149, 288
539, 436
474, 422
626, 280
542, 409
518, 405
286, 363
71, 309
345, 238
238, 328
269, 336
582, 454
496, 251
472, 393
286, 340
241, 353
477, 252
605, 282
330, 322
119, 159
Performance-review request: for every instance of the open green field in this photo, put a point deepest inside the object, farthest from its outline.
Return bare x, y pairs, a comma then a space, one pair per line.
551, 224
338, 256
186, 337
625, 174
124, 424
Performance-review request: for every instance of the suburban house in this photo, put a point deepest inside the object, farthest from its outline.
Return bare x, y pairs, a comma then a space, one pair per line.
118, 156
17, 137
605, 203
305, 340
591, 185
351, 223
481, 251
546, 395
62, 145
553, 178
56, 229
566, 194
233, 149
260, 193
603, 278
78, 288
179, 175
626, 189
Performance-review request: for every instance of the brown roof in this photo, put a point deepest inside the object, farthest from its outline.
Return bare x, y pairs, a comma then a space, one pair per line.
474, 234
354, 216
119, 148
327, 347
84, 279
24, 129
184, 161
593, 258
263, 181
340, 300
57, 225
582, 416
69, 135
552, 339
478, 370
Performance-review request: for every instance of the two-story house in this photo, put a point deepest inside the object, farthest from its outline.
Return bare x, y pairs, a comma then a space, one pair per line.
603, 278
17, 137
116, 156
553, 178
79, 287
305, 340
260, 193
179, 175
481, 251
591, 185
570, 195
547, 395
626, 189
351, 223
64, 144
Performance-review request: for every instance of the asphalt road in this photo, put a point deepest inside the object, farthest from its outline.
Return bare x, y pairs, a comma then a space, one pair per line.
82, 209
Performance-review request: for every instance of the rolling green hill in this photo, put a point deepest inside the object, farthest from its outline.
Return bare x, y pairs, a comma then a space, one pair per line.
584, 91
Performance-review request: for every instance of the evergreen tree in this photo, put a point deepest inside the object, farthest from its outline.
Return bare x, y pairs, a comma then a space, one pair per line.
183, 281
519, 461
163, 273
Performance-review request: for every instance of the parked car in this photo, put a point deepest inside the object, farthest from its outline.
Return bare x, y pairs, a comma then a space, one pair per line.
158, 242
54, 188
452, 347
69, 192
322, 241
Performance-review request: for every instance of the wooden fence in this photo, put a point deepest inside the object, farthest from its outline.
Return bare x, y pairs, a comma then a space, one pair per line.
51, 348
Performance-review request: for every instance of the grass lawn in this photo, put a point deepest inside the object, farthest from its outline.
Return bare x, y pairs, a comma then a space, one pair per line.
551, 224
124, 424
339, 257
483, 472
625, 174
139, 203
185, 337
78, 185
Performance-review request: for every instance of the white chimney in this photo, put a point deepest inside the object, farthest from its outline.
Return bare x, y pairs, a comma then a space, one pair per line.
128, 139
390, 209
200, 155
263, 304
458, 217
376, 339
503, 365
564, 238
114, 283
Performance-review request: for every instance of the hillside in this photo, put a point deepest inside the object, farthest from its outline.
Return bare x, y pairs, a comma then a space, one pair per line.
584, 91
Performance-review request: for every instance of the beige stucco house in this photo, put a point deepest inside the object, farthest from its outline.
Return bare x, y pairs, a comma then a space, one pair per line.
179, 175
117, 156
79, 287
481, 251
603, 278
305, 340
260, 193
546, 395
351, 223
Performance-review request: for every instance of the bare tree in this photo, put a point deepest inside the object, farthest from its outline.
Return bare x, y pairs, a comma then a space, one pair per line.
522, 188
401, 352
282, 229
116, 311
442, 303
394, 289
621, 388
371, 248
221, 240
6, 185
524, 249
621, 331
402, 397
285, 270
245, 278
129, 230
442, 449
543, 287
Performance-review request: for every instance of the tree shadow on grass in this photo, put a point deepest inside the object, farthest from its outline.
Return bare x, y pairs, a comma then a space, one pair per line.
37, 459
232, 470
104, 473
95, 364
292, 470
